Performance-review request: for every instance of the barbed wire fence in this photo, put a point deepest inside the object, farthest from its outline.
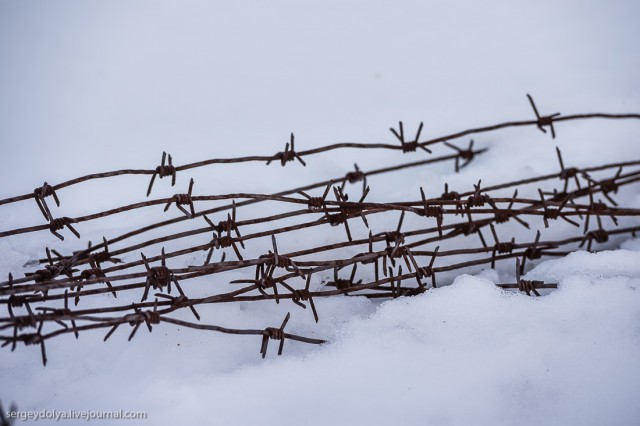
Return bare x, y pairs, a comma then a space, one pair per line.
391, 263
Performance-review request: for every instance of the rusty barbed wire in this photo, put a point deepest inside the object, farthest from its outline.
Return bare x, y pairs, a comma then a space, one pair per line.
378, 171
466, 228
168, 169
38, 305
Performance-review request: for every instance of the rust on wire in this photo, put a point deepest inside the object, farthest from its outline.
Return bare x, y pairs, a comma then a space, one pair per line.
95, 271
183, 200
409, 146
59, 223
40, 194
543, 120
464, 157
288, 154
165, 169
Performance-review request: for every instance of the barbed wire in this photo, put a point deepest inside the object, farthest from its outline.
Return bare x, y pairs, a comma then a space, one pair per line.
391, 263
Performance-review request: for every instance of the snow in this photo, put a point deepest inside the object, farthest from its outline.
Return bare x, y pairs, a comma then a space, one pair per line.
466, 354
117, 83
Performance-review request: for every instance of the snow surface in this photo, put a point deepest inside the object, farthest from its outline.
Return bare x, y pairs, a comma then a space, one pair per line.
116, 83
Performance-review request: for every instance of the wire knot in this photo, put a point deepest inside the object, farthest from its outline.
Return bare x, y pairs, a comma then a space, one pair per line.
316, 203
42, 275
273, 333
87, 274
24, 322
502, 216
532, 253
551, 213
408, 292
433, 211
504, 247
225, 226
409, 147
45, 190
467, 228
543, 120
598, 207
392, 237
16, 301
546, 120
41, 193
477, 200
282, 262
288, 154
103, 256
568, 173
285, 157
301, 295
266, 282
59, 223
225, 241
425, 272
31, 338
599, 235
336, 219
342, 283
467, 154
166, 170
163, 170
356, 176
404, 144
609, 185
529, 286
183, 200
158, 277
450, 196
350, 210
397, 251
151, 317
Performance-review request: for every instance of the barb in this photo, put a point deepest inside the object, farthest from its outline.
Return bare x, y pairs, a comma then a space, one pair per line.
317, 203
40, 194
158, 277
466, 155
551, 213
162, 171
436, 211
500, 247
355, 176
528, 286
303, 295
567, 173
343, 284
275, 334
544, 120
183, 200
606, 185
287, 155
409, 146
58, 224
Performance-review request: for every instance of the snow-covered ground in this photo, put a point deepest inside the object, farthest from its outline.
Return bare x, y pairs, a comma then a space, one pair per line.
91, 86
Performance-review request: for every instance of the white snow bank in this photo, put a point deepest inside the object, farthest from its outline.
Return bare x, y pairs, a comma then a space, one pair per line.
468, 354
605, 264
